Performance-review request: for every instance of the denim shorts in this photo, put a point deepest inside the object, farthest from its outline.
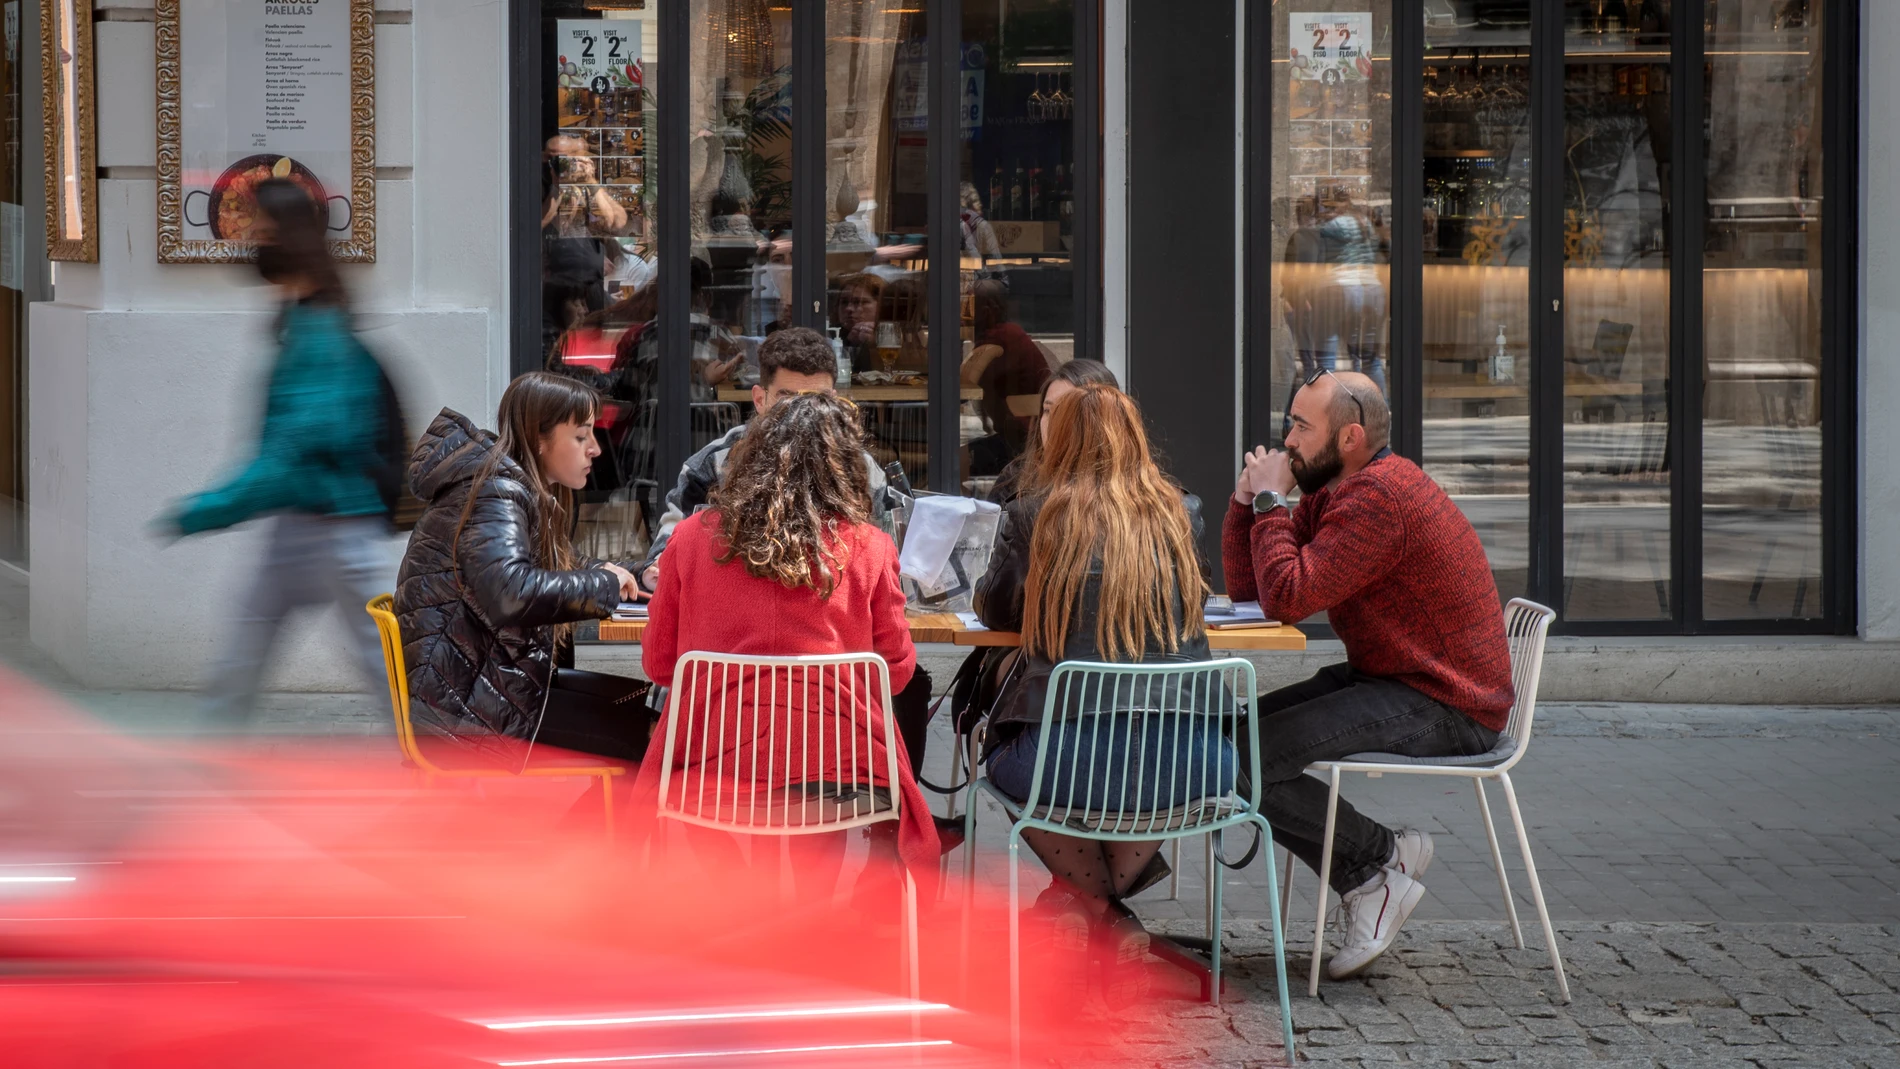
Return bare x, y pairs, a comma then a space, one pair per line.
1191, 759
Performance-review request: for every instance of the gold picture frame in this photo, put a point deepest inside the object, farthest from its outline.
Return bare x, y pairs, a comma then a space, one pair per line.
175, 245
66, 93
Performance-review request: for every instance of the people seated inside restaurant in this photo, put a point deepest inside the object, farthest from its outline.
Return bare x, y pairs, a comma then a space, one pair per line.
1010, 368
793, 361
1096, 561
490, 586
787, 562
1064, 381
1376, 545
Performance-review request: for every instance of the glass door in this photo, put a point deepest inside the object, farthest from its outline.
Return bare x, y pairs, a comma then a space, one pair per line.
1475, 282
1617, 531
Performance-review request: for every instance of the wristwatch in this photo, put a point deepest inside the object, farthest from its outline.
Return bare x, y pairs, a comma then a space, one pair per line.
1267, 500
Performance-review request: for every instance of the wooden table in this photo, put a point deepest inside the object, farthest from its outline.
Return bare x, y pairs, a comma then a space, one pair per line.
867, 394
945, 628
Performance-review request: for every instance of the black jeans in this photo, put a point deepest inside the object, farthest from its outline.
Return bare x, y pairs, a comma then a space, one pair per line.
1337, 713
597, 713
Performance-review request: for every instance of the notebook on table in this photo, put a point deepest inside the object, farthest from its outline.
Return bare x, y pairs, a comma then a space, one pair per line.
1223, 614
630, 610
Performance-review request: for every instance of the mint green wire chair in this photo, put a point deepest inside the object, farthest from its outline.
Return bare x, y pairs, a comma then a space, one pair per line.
1179, 701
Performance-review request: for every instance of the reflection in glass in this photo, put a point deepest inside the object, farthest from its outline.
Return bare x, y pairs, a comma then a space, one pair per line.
1332, 196
1017, 173
1476, 277
598, 260
1616, 311
877, 199
1761, 432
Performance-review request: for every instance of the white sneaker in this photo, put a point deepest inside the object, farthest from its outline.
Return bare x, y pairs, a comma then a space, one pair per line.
1412, 853
1370, 918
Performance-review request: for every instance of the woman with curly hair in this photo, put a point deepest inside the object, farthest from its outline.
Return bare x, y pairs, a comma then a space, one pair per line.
786, 562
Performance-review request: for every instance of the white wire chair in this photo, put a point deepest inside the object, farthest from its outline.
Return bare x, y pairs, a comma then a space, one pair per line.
1176, 702
1525, 625
758, 735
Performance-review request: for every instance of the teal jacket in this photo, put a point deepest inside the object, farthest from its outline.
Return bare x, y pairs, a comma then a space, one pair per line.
322, 420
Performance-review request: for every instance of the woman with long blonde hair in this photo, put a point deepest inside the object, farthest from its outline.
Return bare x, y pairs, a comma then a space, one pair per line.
1096, 562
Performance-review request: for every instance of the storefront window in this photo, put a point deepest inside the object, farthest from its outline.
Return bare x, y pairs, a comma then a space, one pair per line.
1332, 194
1476, 271
1016, 221
1762, 279
1616, 466
876, 203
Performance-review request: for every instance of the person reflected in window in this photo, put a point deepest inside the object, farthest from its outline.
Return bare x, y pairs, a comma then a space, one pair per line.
1336, 303
1010, 368
578, 220
1096, 561
857, 302
787, 562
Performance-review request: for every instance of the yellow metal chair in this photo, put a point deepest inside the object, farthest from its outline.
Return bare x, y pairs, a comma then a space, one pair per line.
382, 610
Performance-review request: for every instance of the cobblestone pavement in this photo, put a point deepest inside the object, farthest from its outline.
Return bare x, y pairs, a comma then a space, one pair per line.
1458, 993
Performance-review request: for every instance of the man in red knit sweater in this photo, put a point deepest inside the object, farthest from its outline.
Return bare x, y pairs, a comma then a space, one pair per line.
1378, 546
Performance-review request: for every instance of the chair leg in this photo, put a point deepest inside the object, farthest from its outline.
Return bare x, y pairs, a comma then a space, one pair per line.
1279, 935
969, 894
1325, 885
1015, 950
1207, 893
1214, 882
1497, 861
956, 769
1285, 900
1174, 871
1537, 889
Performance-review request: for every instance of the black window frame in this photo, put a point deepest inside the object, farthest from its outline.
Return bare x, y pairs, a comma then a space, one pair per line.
1840, 264
672, 223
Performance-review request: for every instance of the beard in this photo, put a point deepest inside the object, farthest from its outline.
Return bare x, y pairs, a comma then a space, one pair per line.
1312, 475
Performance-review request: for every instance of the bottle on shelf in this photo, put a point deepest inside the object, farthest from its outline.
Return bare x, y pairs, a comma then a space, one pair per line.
1018, 193
1503, 364
1035, 192
1065, 201
996, 202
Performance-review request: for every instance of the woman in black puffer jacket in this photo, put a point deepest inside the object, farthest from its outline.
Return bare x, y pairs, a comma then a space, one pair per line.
490, 586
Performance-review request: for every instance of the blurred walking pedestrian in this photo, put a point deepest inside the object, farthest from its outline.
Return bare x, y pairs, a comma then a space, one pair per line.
316, 468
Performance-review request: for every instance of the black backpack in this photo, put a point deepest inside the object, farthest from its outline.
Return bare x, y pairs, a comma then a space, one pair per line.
390, 470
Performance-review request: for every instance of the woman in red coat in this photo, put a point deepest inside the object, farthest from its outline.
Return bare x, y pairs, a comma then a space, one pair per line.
785, 563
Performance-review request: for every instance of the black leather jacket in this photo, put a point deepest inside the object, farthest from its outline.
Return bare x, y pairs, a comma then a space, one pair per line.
999, 605
478, 621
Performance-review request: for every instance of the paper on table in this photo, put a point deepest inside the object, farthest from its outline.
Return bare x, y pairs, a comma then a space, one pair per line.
630, 610
970, 622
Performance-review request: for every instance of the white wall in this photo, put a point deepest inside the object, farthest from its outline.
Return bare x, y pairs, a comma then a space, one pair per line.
1879, 392
147, 378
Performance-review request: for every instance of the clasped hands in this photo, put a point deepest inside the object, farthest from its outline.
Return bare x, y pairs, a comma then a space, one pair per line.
1261, 470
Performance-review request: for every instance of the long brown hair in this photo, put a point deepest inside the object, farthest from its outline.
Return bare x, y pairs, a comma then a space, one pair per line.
532, 406
1104, 499
794, 479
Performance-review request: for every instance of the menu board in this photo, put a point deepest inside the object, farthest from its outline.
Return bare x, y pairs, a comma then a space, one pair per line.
599, 94
1329, 87
260, 89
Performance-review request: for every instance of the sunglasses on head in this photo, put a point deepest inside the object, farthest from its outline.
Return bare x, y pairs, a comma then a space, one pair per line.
1314, 377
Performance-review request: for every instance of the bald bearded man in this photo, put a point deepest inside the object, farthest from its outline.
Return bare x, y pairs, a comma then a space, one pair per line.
1376, 545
